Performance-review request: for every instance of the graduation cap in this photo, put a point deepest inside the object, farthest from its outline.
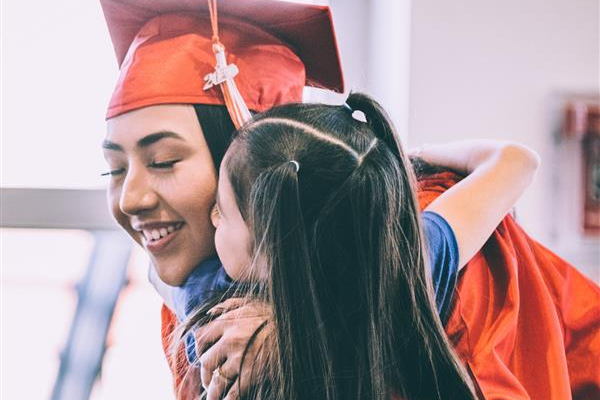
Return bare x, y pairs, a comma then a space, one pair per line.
210, 52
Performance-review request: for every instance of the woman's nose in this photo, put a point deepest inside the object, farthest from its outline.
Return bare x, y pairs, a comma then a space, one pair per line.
137, 194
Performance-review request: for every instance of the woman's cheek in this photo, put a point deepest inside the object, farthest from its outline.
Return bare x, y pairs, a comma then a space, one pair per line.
122, 219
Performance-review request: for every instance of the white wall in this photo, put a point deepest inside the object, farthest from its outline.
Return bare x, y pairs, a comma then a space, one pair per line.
492, 69
374, 42
58, 71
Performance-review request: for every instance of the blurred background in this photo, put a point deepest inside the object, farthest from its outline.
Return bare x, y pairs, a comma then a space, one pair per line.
522, 70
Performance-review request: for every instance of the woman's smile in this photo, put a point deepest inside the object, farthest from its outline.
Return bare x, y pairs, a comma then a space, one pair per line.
156, 236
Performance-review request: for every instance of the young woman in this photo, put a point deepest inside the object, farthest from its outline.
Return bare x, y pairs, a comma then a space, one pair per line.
316, 215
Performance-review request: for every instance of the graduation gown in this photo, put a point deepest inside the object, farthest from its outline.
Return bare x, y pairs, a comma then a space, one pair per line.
525, 322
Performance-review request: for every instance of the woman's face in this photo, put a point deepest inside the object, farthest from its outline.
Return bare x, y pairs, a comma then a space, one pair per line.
232, 237
162, 186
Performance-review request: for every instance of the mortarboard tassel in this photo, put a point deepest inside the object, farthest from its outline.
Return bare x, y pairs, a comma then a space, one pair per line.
224, 74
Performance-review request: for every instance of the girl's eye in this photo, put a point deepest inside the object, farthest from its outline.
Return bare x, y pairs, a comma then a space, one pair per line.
163, 165
114, 172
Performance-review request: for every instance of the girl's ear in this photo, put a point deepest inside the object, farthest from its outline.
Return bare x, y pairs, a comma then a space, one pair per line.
215, 215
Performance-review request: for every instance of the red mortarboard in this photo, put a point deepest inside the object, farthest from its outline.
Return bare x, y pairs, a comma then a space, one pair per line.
164, 50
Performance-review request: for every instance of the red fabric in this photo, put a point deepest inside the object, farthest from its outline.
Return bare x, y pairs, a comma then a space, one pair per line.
525, 322
184, 378
164, 50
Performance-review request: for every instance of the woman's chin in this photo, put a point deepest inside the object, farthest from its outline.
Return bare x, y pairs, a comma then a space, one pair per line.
174, 267
171, 273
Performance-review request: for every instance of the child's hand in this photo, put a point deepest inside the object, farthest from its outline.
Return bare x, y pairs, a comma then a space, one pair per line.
222, 343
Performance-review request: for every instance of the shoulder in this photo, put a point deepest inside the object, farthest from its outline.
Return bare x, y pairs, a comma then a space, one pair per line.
438, 232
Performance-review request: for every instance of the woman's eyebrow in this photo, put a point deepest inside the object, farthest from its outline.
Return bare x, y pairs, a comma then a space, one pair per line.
155, 137
144, 142
108, 145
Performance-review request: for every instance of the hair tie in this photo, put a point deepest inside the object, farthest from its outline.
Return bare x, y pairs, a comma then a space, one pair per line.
360, 116
356, 114
296, 164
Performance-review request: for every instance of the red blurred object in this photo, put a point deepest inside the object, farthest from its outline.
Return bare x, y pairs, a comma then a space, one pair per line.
582, 118
582, 121
591, 181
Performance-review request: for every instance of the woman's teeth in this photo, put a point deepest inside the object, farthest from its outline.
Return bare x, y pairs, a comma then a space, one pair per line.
155, 234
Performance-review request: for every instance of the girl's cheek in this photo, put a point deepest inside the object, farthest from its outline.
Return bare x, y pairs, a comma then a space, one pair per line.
221, 247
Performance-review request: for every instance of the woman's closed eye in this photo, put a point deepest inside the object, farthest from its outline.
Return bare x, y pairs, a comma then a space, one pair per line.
164, 164
113, 172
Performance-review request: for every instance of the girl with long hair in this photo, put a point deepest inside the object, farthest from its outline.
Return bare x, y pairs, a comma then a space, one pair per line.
316, 217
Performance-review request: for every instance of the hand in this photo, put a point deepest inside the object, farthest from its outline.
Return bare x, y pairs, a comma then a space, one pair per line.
222, 343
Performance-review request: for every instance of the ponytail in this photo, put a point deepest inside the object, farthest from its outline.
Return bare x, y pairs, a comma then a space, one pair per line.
300, 359
378, 120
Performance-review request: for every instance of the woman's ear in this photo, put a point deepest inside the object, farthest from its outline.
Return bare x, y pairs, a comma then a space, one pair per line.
215, 215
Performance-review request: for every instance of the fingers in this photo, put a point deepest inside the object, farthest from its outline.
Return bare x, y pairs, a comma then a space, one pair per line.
227, 305
225, 341
205, 377
210, 360
224, 386
224, 381
234, 391
241, 383
245, 311
246, 375
208, 334
248, 315
218, 386
231, 309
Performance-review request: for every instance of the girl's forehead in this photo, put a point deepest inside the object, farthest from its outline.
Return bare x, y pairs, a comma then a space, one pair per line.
232, 153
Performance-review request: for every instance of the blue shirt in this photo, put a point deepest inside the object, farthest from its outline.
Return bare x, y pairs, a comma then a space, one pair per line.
442, 249
210, 277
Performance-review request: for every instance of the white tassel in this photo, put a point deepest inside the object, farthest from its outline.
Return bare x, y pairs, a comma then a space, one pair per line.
223, 76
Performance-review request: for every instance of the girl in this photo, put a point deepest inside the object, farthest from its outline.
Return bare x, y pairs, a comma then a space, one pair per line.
316, 215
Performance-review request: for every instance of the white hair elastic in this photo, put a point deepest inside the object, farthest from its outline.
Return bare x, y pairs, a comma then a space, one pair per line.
296, 164
358, 115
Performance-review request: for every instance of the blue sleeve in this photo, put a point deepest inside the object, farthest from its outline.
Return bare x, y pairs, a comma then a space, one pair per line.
442, 249
208, 279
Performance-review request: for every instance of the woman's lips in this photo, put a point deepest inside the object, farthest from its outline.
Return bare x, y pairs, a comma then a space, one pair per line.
156, 240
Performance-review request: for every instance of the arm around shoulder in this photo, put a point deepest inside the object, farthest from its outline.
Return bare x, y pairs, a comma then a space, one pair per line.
498, 174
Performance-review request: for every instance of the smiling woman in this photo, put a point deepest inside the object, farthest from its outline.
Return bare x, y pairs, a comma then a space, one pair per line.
162, 186
57, 75
169, 184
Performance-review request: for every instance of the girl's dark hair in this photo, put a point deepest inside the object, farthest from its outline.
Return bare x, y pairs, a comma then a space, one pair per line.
340, 241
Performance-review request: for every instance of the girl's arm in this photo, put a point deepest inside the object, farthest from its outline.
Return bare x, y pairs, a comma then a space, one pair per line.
498, 173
